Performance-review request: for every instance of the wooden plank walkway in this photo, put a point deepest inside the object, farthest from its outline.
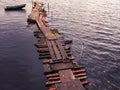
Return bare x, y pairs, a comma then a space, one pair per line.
46, 31
60, 70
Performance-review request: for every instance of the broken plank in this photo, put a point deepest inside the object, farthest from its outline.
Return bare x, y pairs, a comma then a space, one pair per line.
47, 67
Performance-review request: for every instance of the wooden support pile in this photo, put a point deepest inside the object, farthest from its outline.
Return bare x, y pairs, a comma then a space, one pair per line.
58, 61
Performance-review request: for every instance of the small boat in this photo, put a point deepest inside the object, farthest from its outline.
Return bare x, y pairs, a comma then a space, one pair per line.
16, 7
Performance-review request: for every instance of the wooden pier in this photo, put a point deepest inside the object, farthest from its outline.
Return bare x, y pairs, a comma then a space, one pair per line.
60, 68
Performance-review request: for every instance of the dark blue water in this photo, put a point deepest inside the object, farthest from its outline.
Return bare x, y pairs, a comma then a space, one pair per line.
20, 68
94, 27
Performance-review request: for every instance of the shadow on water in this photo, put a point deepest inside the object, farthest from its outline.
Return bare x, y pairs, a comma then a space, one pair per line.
13, 11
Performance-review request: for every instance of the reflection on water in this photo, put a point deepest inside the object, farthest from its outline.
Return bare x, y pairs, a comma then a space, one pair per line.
20, 11
94, 23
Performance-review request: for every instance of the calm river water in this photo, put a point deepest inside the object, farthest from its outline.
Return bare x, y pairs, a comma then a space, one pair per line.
94, 27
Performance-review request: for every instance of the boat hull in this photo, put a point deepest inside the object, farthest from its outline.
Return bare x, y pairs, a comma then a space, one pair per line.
17, 7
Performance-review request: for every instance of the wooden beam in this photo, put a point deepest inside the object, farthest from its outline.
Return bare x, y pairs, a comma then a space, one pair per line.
51, 49
56, 50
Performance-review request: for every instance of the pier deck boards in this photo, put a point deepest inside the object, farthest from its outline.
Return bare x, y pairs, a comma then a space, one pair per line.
59, 67
46, 31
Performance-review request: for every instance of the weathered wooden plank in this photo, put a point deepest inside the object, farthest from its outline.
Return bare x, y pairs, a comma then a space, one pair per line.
73, 85
52, 82
67, 47
35, 11
45, 53
79, 71
84, 77
46, 31
34, 14
47, 67
54, 78
69, 54
61, 66
66, 75
40, 45
56, 50
67, 51
80, 75
71, 57
84, 82
63, 53
46, 61
78, 68
51, 50
43, 50
52, 75
61, 39
52, 88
